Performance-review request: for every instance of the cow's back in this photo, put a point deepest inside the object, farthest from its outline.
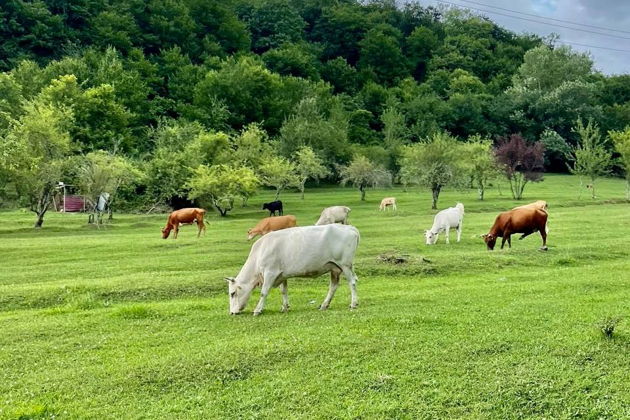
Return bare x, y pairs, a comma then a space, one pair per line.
305, 250
525, 219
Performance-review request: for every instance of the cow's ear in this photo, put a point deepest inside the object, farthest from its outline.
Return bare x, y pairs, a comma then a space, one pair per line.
229, 279
485, 235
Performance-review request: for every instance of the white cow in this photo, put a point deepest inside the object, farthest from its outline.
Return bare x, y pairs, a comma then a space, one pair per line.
444, 221
333, 214
307, 251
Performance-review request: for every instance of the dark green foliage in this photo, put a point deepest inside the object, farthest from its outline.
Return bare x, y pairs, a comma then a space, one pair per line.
318, 73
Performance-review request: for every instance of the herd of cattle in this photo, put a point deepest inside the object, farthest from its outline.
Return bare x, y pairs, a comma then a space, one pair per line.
285, 251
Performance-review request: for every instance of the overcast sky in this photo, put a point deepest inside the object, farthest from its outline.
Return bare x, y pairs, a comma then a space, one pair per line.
612, 14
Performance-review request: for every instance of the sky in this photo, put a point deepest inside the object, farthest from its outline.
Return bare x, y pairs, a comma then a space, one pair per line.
610, 14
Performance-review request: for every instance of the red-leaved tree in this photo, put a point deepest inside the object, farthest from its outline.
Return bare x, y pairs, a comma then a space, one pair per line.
521, 162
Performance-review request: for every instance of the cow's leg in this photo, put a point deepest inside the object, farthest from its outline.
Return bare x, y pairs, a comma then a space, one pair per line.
503, 241
334, 282
352, 282
268, 281
175, 231
459, 231
447, 234
285, 296
509, 240
543, 233
200, 227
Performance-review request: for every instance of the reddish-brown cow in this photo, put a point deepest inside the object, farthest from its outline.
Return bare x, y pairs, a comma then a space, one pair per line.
523, 220
184, 217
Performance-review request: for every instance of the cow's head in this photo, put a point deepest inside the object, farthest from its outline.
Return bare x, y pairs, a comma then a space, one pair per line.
430, 237
265, 206
490, 240
250, 235
239, 294
165, 232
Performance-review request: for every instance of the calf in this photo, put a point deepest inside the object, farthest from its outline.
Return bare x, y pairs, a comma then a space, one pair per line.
184, 217
444, 221
388, 202
523, 220
273, 207
307, 251
335, 214
270, 224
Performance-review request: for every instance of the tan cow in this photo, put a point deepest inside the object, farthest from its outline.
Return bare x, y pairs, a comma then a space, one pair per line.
270, 224
540, 204
388, 202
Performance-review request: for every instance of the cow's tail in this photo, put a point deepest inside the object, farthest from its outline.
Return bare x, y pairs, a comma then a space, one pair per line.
547, 228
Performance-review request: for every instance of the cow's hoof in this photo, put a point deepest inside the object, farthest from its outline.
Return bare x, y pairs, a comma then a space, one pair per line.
354, 306
322, 307
544, 248
257, 313
284, 309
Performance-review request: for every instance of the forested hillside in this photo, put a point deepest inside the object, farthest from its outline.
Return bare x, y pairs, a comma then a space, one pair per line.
166, 88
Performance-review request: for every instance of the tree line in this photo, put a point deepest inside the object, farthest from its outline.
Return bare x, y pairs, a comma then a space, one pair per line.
208, 100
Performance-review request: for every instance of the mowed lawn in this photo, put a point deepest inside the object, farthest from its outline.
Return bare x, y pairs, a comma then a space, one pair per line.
119, 323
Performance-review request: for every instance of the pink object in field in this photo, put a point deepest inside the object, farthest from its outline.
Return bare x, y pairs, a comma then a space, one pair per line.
73, 203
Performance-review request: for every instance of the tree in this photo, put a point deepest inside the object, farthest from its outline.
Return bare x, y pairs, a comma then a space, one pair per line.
362, 173
220, 185
481, 163
308, 166
102, 172
557, 150
591, 157
33, 152
520, 161
434, 163
279, 173
621, 140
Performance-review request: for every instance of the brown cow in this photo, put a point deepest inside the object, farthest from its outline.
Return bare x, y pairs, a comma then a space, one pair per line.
524, 220
270, 224
184, 217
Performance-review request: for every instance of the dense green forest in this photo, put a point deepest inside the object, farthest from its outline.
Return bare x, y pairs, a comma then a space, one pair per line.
165, 89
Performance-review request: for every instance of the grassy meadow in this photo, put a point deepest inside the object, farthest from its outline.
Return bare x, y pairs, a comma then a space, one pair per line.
119, 323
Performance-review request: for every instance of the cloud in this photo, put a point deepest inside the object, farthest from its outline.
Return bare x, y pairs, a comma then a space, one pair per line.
611, 14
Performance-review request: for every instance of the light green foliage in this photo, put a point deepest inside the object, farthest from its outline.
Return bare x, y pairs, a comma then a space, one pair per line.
220, 185
621, 140
279, 173
308, 166
436, 163
479, 159
33, 151
102, 172
250, 148
545, 68
458, 332
363, 173
591, 157
326, 134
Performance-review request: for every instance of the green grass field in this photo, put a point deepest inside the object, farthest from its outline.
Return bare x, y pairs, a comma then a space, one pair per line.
119, 323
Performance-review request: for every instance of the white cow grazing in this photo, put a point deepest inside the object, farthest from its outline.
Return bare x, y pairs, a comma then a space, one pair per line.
444, 221
307, 251
333, 214
388, 202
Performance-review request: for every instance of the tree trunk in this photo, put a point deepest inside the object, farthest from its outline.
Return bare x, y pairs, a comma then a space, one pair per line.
40, 220
593, 188
480, 189
277, 194
362, 189
436, 194
42, 206
302, 186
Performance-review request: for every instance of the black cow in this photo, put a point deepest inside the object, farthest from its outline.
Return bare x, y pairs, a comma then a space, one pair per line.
273, 207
